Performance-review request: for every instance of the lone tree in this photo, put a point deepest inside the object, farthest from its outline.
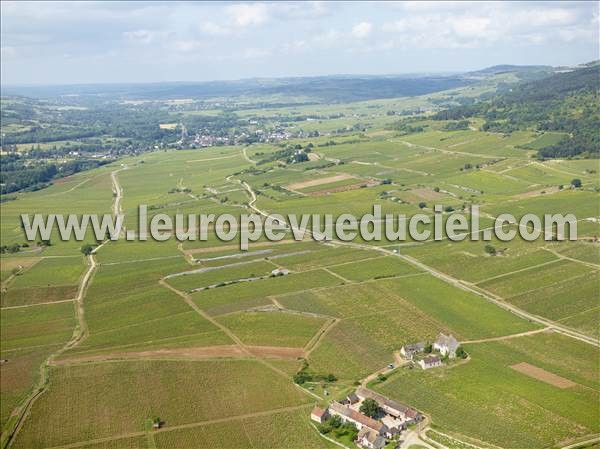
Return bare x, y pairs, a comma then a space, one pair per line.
330, 378
87, 249
576, 183
489, 249
369, 407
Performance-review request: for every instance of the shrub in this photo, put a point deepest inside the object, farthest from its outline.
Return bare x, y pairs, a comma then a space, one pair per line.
87, 249
489, 249
369, 407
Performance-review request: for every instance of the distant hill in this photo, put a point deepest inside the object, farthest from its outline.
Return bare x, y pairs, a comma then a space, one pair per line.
330, 89
565, 102
506, 68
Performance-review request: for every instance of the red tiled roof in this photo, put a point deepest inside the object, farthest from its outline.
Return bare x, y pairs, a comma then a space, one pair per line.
357, 417
319, 412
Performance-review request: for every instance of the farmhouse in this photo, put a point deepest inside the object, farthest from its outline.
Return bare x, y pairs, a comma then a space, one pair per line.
368, 438
431, 361
319, 415
391, 407
446, 345
408, 351
358, 419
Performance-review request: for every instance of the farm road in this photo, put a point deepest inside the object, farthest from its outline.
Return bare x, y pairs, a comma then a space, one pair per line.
450, 280
245, 154
507, 337
79, 333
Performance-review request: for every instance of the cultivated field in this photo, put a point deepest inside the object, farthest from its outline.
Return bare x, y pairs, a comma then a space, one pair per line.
488, 389
202, 336
99, 400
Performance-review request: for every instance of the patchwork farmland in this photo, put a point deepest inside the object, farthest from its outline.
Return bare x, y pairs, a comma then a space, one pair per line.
223, 348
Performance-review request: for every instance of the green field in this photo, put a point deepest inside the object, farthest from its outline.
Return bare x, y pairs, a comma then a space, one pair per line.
171, 329
29, 335
461, 399
221, 275
243, 296
544, 140
272, 328
378, 268
179, 393
285, 429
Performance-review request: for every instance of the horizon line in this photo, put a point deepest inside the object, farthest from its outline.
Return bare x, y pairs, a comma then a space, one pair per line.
283, 77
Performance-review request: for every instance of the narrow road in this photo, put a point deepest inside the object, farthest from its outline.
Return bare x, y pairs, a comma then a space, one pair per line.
461, 153
343, 279
501, 303
571, 259
79, 333
582, 443
245, 154
448, 279
37, 304
188, 300
506, 337
117, 207
314, 342
4, 285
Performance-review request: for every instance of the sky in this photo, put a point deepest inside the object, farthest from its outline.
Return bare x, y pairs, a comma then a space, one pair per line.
107, 42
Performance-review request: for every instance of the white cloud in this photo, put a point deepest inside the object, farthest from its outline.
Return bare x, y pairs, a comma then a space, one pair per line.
328, 39
436, 6
249, 14
160, 40
473, 25
144, 36
573, 34
362, 30
534, 38
187, 45
256, 53
296, 46
544, 17
214, 29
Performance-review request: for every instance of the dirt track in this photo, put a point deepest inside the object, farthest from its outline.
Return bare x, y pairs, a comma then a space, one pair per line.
345, 188
543, 375
191, 353
488, 296
275, 352
197, 353
318, 182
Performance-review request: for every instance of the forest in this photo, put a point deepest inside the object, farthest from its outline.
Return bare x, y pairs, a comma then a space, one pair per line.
563, 102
